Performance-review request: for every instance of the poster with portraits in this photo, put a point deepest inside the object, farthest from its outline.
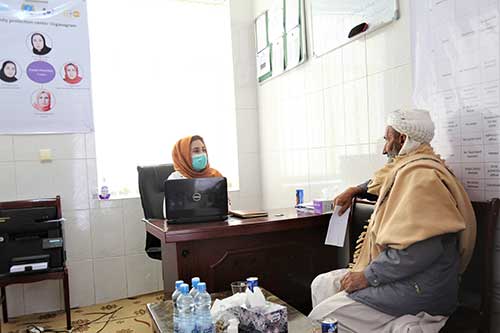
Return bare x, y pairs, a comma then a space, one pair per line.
44, 67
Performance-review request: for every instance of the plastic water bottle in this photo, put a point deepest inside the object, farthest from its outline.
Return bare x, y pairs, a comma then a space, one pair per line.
175, 295
185, 305
194, 284
202, 303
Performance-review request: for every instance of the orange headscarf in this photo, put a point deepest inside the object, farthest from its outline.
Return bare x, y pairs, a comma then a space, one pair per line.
181, 155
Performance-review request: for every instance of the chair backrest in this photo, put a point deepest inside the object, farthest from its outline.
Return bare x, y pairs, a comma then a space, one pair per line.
151, 179
476, 286
361, 211
477, 281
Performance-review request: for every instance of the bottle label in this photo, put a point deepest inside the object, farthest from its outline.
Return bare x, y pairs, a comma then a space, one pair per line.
104, 194
204, 329
176, 325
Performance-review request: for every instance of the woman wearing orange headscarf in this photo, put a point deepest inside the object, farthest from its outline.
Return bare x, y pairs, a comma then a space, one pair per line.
191, 159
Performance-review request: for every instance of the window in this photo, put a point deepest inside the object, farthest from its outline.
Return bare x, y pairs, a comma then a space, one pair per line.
161, 70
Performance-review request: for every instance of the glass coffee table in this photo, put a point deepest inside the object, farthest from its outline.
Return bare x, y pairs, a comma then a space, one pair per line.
161, 315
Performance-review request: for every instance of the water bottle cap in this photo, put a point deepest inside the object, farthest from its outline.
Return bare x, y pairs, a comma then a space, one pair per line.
178, 284
252, 282
195, 281
202, 287
184, 288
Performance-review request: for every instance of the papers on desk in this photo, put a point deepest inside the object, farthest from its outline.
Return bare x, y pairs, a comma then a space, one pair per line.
247, 214
337, 228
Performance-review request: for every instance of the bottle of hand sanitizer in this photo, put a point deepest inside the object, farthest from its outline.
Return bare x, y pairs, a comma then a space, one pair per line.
104, 193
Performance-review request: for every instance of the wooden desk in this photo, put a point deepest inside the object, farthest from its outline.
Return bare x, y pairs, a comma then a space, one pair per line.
286, 253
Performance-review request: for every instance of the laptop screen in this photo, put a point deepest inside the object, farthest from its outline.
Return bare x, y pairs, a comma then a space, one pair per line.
195, 198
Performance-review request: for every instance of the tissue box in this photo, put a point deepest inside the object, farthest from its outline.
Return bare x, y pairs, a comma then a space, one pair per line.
271, 318
322, 205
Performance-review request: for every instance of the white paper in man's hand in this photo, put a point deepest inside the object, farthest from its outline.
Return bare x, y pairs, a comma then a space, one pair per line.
337, 228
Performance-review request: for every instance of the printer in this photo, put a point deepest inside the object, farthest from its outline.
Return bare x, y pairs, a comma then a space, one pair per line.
31, 240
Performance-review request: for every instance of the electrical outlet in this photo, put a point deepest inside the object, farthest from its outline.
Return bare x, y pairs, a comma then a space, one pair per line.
45, 155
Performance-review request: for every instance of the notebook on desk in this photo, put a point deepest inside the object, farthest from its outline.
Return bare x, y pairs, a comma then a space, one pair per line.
196, 200
247, 214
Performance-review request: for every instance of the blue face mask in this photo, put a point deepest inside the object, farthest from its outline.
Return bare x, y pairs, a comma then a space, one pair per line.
199, 162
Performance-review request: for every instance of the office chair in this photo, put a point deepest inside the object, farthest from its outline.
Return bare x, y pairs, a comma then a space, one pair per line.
151, 179
476, 287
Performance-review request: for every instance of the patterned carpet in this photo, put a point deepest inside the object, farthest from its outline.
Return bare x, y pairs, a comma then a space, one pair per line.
123, 316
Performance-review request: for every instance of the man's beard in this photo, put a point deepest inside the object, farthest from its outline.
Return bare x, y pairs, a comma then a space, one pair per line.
393, 152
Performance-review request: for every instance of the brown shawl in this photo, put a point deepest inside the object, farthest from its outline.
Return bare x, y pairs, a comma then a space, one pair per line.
419, 198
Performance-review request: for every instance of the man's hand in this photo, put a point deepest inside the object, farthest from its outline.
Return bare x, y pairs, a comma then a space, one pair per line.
353, 281
344, 199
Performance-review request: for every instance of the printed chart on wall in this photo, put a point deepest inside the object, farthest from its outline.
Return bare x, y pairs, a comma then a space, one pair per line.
45, 67
455, 46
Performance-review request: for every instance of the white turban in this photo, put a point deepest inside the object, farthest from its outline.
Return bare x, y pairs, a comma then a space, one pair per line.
416, 124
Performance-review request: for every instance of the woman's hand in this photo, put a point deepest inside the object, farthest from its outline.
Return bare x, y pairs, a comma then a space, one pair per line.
344, 199
353, 281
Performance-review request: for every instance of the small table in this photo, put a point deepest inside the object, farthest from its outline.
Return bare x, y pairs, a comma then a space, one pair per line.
161, 315
36, 277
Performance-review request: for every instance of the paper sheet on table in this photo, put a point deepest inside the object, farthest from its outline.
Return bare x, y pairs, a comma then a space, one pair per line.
261, 30
337, 228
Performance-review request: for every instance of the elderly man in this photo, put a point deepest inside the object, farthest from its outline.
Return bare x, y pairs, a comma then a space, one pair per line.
420, 237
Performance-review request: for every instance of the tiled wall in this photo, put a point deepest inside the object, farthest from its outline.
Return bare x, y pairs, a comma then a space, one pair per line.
321, 124
105, 239
247, 117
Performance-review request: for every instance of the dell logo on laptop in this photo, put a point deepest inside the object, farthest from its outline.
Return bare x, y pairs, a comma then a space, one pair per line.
196, 196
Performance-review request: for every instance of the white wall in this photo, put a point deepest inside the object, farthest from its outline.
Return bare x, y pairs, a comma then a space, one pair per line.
321, 125
247, 117
105, 239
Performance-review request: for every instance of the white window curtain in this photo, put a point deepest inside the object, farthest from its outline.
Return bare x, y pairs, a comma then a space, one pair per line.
161, 70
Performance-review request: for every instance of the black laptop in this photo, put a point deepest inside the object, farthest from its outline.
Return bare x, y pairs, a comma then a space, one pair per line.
196, 200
